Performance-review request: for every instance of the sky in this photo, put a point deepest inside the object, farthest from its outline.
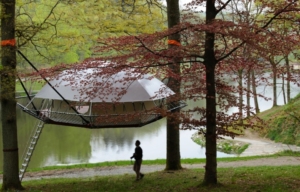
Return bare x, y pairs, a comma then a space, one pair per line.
181, 3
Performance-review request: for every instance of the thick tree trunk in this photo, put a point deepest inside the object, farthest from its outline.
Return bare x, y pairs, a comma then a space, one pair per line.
210, 177
173, 132
8, 103
254, 92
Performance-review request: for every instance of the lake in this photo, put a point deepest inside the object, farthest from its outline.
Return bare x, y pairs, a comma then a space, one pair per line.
61, 145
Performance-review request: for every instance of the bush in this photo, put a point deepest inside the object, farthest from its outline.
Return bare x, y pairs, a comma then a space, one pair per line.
223, 145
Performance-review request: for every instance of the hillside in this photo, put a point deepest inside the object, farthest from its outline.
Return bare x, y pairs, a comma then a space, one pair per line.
282, 123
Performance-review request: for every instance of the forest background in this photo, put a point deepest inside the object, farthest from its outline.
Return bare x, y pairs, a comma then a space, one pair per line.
55, 32
238, 53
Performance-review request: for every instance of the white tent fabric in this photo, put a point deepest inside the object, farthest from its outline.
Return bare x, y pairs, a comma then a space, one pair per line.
87, 86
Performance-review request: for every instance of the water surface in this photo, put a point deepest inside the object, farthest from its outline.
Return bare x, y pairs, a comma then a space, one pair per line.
69, 145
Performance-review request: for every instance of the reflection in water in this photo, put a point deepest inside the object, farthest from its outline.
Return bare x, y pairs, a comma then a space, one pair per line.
153, 144
70, 145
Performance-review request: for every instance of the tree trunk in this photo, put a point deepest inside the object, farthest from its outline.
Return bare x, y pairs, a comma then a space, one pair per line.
173, 132
210, 136
283, 89
248, 92
288, 81
210, 177
254, 93
240, 75
274, 69
8, 103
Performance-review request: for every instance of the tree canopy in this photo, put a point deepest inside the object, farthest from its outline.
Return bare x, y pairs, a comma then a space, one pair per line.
208, 47
225, 39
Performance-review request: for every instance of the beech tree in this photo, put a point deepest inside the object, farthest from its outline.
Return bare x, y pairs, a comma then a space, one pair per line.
173, 131
211, 58
245, 12
37, 27
279, 62
8, 117
206, 45
10, 42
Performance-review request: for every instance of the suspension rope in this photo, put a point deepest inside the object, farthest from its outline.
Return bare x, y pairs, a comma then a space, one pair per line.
86, 121
27, 94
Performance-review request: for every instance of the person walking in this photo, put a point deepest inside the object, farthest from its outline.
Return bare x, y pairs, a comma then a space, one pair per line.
138, 156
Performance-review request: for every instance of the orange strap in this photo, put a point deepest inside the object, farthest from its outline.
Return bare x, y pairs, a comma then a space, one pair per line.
174, 42
11, 42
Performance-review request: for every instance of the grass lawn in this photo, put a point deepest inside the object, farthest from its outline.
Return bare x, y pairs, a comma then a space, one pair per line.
241, 179
163, 161
285, 178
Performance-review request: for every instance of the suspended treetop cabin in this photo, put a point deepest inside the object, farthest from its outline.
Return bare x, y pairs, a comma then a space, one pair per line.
83, 98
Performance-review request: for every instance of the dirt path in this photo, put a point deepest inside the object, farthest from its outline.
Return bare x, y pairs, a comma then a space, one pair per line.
117, 170
262, 146
258, 146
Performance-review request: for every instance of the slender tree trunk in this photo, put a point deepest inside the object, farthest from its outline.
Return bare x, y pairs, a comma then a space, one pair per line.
248, 92
173, 132
288, 81
274, 84
254, 93
240, 75
283, 89
8, 103
210, 177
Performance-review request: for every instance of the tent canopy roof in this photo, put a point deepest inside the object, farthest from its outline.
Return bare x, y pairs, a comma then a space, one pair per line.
87, 86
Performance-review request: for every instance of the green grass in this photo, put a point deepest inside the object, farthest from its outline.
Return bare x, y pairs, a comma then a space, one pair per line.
282, 122
284, 178
163, 161
36, 86
262, 178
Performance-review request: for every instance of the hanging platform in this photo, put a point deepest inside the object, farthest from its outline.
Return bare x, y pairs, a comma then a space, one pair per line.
113, 120
83, 99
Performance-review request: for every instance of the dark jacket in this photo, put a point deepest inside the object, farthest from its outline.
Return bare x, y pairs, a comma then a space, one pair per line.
138, 153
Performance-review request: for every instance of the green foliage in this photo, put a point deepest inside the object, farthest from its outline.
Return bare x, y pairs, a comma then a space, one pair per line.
49, 33
70, 57
29, 85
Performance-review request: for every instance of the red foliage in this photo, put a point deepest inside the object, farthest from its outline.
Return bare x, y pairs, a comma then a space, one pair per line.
150, 54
